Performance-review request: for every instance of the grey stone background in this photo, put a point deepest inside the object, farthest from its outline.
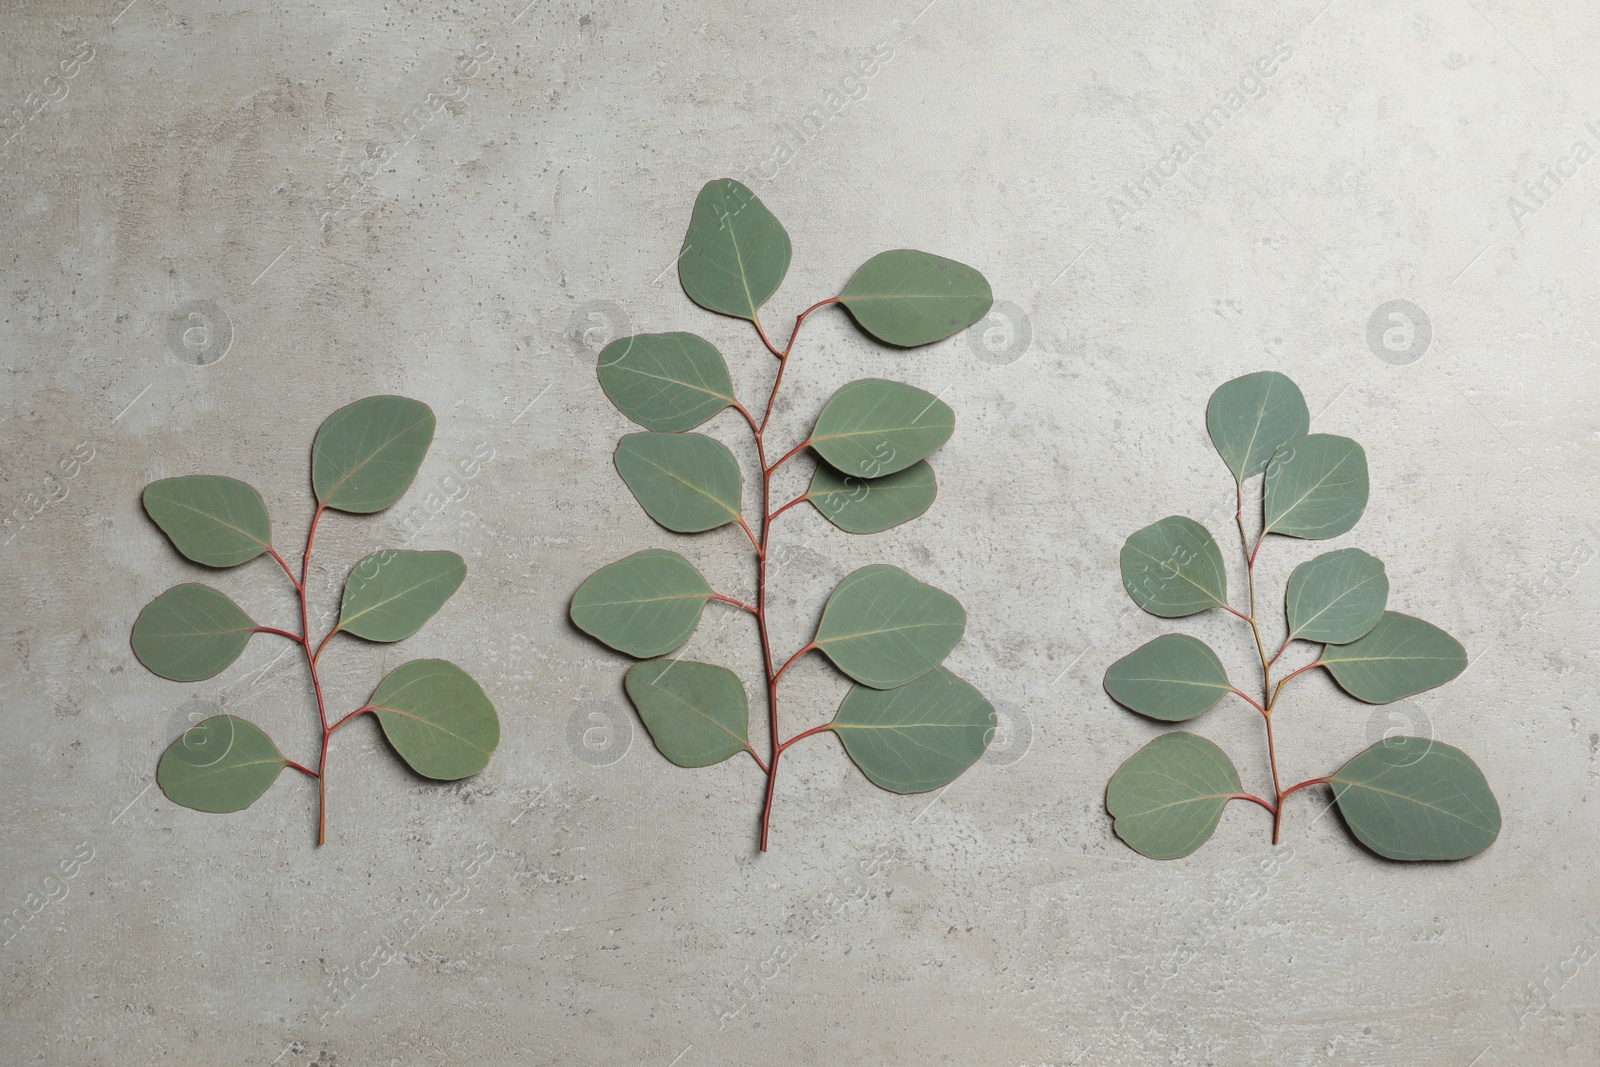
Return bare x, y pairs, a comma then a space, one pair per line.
199, 264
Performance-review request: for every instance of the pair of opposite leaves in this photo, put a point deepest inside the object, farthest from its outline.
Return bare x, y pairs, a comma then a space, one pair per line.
1405, 798
436, 717
909, 723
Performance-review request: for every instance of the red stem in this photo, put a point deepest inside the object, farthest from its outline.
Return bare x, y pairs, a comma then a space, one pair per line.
787, 456
281, 633
801, 499
1248, 699
802, 736
311, 665
1253, 797
1278, 653
353, 714
302, 770
736, 603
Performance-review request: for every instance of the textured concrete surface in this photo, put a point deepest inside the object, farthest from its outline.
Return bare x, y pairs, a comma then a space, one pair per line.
222, 226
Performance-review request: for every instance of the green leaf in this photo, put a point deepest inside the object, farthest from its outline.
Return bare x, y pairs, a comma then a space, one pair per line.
1316, 487
697, 713
437, 718
884, 628
367, 453
190, 633
645, 605
1400, 657
221, 764
735, 254
1173, 568
665, 381
1173, 678
218, 522
392, 593
918, 737
1251, 416
1411, 798
872, 427
1168, 797
687, 482
872, 505
1336, 597
910, 298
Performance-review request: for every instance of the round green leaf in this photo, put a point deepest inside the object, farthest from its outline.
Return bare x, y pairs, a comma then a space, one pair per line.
1173, 678
190, 633
665, 381
645, 605
1173, 568
437, 718
1411, 798
697, 713
1400, 657
220, 764
687, 482
884, 628
872, 427
392, 593
1251, 416
1316, 487
872, 505
917, 737
218, 522
367, 453
735, 254
910, 298
1336, 597
1168, 797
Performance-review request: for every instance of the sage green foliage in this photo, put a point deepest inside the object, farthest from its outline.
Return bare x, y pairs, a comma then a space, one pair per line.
665, 381
645, 605
908, 723
919, 736
884, 628
436, 717
1173, 678
871, 427
910, 298
697, 713
391, 594
218, 522
1413, 798
872, 505
191, 633
1168, 797
1173, 568
367, 453
221, 764
1406, 798
687, 482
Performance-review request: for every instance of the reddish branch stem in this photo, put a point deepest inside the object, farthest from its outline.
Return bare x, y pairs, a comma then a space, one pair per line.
802, 736
758, 430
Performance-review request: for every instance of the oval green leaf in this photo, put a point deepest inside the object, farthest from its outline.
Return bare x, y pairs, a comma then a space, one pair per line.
1173, 678
665, 381
437, 718
917, 737
687, 482
1336, 597
645, 605
220, 764
1173, 568
884, 628
872, 505
392, 593
910, 298
1250, 417
1398, 658
697, 713
1316, 487
873, 427
190, 633
735, 254
1168, 797
1411, 798
367, 453
215, 521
